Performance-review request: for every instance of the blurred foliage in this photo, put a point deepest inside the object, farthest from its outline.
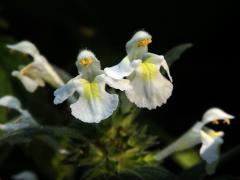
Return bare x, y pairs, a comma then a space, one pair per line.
173, 54
187, 159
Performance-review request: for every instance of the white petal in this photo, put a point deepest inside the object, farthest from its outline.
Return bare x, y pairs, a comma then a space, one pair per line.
13, 126
210, 168
95, 109
159, 61
215, 114
165, 66
41, 69
121, 84
149, 93
10, 102
23, 121
120, 70
29, 84
210, 150
67, 90
136, 63
25, 47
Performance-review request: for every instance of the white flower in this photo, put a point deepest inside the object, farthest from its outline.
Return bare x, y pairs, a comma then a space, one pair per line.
200, 134
149, 87
38, 72
23, 121
94, 103
25, 175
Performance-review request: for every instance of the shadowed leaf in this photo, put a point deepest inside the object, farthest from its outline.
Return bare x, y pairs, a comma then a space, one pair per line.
174, 54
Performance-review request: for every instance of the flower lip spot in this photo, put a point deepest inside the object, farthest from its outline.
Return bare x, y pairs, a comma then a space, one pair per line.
144, 42
215, 134
86, 61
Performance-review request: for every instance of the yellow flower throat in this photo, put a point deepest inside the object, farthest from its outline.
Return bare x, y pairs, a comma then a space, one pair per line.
91, 90
148, 70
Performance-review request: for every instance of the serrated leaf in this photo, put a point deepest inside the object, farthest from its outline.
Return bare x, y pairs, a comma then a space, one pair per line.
174, 54
130, 175
155, 173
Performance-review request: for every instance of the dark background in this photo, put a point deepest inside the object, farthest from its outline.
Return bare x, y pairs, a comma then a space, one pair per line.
206, 75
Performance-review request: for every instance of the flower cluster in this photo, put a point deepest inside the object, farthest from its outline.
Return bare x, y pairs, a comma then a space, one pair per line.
145, 85
138, 75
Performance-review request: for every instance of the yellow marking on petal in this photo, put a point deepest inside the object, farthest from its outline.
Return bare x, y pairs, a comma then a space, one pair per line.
227, 121
148, 70
90, 90
25, 70
144, 42
215, 122
214, 134
86, 61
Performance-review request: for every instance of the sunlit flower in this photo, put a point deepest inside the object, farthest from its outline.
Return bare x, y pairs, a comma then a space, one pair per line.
23, 121
38, 72
149, 87
94, 103
200, 134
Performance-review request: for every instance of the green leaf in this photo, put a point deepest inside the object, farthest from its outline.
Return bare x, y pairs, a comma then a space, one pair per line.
4, 90
148, 173
25, 134
130, 175
174, 54
155, 173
